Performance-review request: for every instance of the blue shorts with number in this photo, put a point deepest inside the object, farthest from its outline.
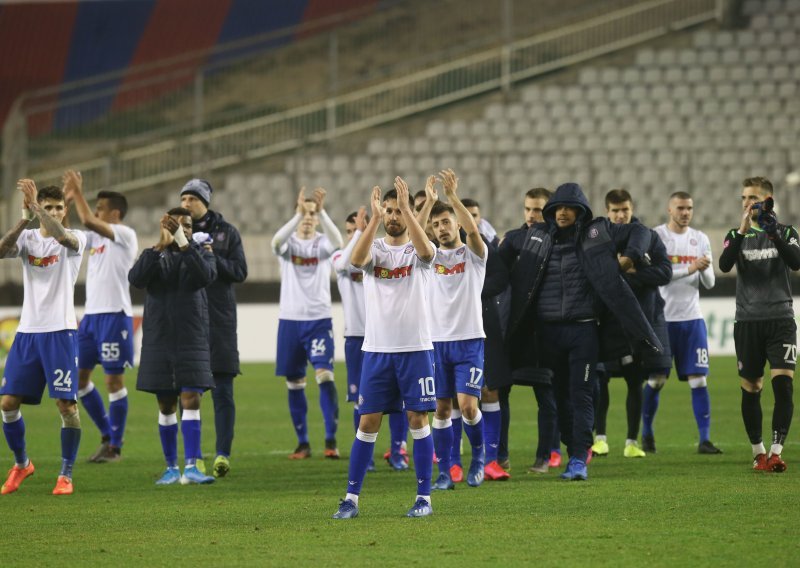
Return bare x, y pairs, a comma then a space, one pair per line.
390, 379
689, 343
39, 359
353, 358
459, 367
301, 342
106, 339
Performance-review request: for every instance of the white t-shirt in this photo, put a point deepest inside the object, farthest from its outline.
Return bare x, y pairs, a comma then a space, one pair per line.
682, 294
107, 289
455, 294
305, 278
351, 287
396, 285
49, 272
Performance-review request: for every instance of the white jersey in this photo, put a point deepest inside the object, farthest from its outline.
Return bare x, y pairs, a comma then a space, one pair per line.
455, 294
351, 287
49, 272
107, 289
396, 283
682, 295
305, 278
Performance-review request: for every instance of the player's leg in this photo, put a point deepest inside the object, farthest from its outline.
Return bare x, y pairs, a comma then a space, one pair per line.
547, 422
752, 358
490, 407
353, 358
88, 357
168, 434
782, 356
291, 363
634, 378
690, 348
116, 354
555, 446
457, 420
503, 454
444, 379
14, 431
397, 456
224, 421
600, 446
70, 442
473, 427
319, 346
191, 429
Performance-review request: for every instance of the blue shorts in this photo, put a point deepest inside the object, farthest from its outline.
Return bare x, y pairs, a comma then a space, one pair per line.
39, 359
459, 367
390, 379
689, 343
106, 339
300, 342
353, 358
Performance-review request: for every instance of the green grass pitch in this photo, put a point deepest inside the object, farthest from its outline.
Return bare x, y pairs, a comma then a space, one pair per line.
675, 508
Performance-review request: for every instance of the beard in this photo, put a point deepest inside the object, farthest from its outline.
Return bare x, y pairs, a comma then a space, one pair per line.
394, 230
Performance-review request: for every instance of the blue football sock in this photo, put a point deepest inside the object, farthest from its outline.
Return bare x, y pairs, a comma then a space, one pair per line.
360, 458
398, 429
442, 443
298, 408
117, 416
93, 403
701, 405
329, 403
650, 398
455, 452
423, 459
168, 431
15, 436
475, 436
70, 441
190, 430
491, 429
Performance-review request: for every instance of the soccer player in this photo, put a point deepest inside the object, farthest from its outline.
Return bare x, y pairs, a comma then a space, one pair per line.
764, 251
457, 330
45, 350
175, 360
397, 370
105, 334
226, 244
305, 330
644, 280
484, 226
690, 253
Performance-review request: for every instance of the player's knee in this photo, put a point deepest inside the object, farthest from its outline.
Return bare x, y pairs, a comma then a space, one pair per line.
83, 377
296, 384
697, 381
752, 386
370, 423
469, 408
444, 407
417, 420
489, 395
9, 403
190, 400
324, 376
115, 382
70, 416
657, 382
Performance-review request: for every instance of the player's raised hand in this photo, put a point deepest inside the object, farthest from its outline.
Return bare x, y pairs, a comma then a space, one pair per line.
361, 219
319, 198
301, 201
375, 203
430, 189
401, 187
28, 189
746, 219
449, 182
701, 263
71, 183
170, 224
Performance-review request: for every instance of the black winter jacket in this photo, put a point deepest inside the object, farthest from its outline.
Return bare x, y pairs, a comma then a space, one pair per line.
231, 269
175, 350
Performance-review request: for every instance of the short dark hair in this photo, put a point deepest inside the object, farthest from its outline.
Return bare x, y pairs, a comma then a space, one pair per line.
617, 196
50, 192
115, 201
440, 208
392, 194
470, 203
539, 193
179, 211
761, 183
352, 217
420, 193
680, 195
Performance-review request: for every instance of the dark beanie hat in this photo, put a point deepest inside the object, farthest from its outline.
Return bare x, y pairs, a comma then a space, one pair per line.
200, 188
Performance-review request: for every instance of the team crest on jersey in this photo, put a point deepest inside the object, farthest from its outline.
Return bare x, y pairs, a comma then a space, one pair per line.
304, 261
42, 261
444, 271
220, 237
389, 273
460, 251
98, 250
593, 233
357, 276
409, 249
693, 242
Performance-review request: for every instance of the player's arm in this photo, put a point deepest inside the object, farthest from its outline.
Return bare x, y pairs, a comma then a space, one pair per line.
497, 275
361, 255
431, 197
53, 227
419, 239
8, 243
659, 271
465, 218
707, 276
786, 241
145, 269
232, 268
283, 234
72, 183
631, 241
341, 260
732, 244
329, 228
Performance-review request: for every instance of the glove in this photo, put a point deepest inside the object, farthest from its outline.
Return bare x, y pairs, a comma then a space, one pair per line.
202, 238
768, 221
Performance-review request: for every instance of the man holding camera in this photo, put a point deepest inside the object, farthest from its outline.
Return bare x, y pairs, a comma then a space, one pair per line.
763, 252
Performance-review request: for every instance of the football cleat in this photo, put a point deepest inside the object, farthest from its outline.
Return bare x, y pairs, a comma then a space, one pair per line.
16, 475
443, 483
475, 474
420, 509
111, 455
331, 451
776, 464
398, 461
200, 464
222, 466
371, 466
456, 473
170, 476
576, 470
505, 463
633, 451
760, 463
706, 447
102, 450
63, 486
600, 448
541, 465
402, 452
347, 510
301, 452
193, 475
649, 444
589, 456
494, 472
555, 458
